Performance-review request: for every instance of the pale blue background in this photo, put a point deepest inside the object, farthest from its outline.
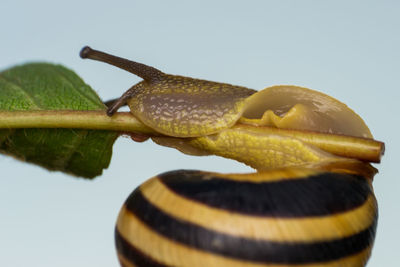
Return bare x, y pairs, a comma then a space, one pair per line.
347, 49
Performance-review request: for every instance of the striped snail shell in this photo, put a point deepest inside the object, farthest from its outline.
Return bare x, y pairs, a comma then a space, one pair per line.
311, 203
280, 218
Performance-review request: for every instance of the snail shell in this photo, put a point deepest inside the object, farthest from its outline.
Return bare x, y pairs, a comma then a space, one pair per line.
292, 217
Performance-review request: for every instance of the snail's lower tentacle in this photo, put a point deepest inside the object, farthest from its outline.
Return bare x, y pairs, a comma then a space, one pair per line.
114, 104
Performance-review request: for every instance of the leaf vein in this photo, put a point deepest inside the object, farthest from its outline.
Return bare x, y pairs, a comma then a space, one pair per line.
80, 136
73, 85
17, 85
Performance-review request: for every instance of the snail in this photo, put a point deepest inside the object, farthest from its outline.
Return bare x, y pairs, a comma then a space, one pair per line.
310, 203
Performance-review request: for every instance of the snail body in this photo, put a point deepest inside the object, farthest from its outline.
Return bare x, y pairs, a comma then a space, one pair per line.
311, 203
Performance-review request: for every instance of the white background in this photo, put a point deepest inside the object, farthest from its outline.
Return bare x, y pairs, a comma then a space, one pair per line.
347, 49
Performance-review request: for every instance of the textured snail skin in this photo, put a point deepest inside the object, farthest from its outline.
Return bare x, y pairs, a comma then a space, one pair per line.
184, 107
311, 203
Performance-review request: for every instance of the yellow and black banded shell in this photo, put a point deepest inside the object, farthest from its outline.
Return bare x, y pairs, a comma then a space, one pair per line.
293, 217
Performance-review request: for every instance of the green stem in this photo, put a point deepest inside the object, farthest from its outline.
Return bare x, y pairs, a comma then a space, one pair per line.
95, 120
345, 146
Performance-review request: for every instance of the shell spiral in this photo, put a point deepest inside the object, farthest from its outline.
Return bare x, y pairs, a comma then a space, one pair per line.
281, 218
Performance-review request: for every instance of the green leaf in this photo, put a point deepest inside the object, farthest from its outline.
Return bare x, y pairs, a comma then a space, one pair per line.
42, 86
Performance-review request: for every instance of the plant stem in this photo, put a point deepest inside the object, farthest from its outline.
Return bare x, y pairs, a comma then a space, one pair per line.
345, 146
94, 120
